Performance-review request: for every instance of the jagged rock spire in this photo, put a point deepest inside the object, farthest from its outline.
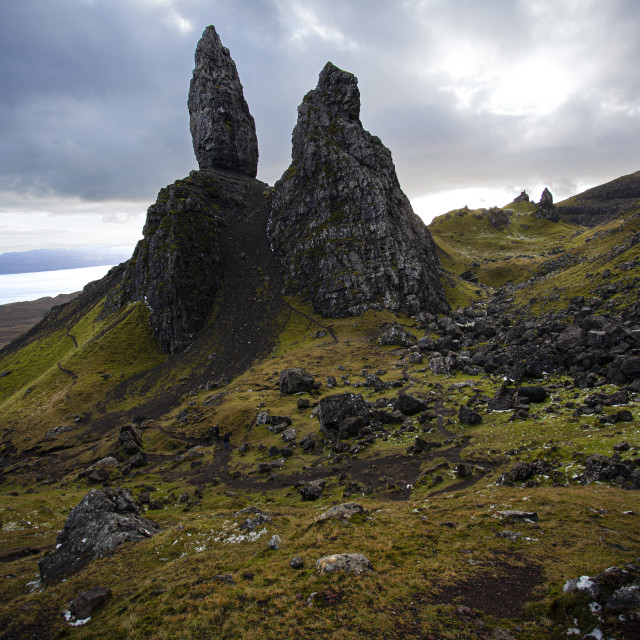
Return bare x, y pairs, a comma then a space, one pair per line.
222, 128
344, 231
546, 208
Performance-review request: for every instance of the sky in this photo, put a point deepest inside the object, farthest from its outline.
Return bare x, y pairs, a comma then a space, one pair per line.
477, 100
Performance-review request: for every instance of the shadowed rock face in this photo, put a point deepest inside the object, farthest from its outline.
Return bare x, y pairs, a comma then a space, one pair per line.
546, 208
222, 128
341, 226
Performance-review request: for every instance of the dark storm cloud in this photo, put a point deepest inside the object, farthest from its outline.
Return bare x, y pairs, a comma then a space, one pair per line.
93, 93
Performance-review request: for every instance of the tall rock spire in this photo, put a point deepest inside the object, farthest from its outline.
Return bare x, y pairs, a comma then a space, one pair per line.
222, 128
340, 224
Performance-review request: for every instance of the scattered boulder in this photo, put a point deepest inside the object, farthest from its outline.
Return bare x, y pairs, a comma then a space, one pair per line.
83, 606
409, 405
311, 490
534, 393
468, 416
601, 468
101, 522
355, 563
295, 380
396, 335
275, 543
518, 515
336, 413
342, 512
296, 562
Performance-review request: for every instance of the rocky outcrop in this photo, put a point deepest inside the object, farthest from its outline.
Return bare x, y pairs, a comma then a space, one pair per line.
176, 267
546, 209
99, 524
341, 226
523, 197
222, 128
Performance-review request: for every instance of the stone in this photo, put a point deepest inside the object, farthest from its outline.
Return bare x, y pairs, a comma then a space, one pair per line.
340, 224
464, 470
409, 405
304, 403
534, 393
342, 512
274, 543
222, 128
101, 522
396, 335
334, 410
295, 380
289, 435
570, 338
601, 468
296, 562
311, 490
468, 416
518, 515
83, 606
355, 563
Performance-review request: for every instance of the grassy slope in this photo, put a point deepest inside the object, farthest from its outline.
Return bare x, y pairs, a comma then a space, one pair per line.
166, 587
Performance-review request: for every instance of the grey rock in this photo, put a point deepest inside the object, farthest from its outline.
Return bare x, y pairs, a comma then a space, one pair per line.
275, 543
342, 512
295, 380
409, 405
101, 522
311, 490
396, 335
601, 468
335, 413
289, 435
534, 393
296, 562
518, 515
355, 563
340, 224
468, 416
546, 209
83, 606
222, 128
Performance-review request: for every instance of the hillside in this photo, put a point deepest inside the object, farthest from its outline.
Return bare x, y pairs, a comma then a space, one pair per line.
17, 317
237, 435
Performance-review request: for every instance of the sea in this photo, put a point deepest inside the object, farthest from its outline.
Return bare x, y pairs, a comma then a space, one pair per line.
21, 287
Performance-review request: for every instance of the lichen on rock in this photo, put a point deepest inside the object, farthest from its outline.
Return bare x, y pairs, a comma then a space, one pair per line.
344, 231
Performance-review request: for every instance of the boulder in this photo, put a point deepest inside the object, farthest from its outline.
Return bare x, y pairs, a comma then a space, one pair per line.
570, 338
342, 512
222, 128
468, 416
311, 490
83, 606
601, 468
409, 405
296, 562
335, 412
396, 335
295, 380
101, 522
274, 543
534, 393
355, 563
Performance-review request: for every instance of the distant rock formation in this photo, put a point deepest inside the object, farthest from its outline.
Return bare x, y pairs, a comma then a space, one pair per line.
523, 197
546, 209
222, 128
604, 202
340, 224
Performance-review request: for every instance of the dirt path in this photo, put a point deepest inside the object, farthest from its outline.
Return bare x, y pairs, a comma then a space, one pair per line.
329, 330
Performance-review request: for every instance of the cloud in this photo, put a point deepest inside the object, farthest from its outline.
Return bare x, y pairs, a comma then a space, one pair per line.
465, 94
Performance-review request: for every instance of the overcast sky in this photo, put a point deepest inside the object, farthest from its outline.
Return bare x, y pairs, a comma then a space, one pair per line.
477, 99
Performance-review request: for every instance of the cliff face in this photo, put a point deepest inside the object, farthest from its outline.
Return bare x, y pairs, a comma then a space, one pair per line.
603, 202
222, 128
344, 231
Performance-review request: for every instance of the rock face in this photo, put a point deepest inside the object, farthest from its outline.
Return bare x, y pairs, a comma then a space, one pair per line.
546, 208
295, 380
178, 267
341, 226
222, 128
101, 522
604, 202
